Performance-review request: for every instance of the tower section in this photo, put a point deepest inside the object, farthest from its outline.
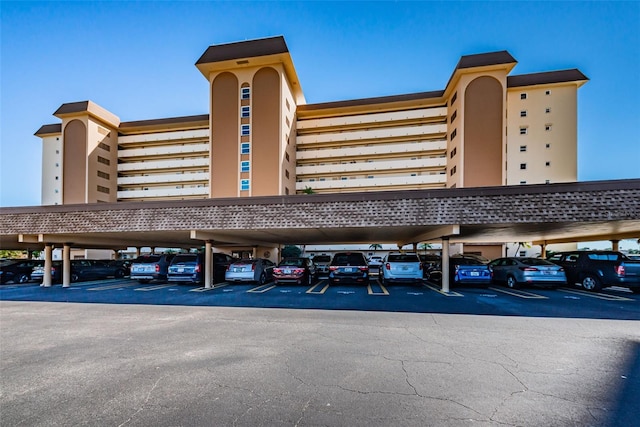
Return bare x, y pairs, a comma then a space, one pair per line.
254, 92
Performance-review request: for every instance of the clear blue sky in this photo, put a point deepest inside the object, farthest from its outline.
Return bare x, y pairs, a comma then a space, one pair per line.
136, 59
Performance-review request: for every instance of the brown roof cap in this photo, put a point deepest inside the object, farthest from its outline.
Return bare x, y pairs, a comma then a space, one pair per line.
72, 107
484, 59
49, 129
244, 49
167, 121
560, 76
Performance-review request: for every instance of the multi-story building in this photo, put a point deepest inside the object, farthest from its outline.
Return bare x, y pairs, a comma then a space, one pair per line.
260, 137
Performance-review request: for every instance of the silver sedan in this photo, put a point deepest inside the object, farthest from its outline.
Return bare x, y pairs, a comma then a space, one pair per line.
515, 272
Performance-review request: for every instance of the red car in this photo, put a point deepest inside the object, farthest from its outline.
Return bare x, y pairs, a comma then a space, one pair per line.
295, 270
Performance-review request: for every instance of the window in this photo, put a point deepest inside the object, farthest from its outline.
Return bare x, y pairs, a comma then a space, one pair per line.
104, 146
523, 253
547, 164
245, 130
286, 102
523, 148
244, 166
57, 151
245, 111
547, 127
454, 115
103, 189
523, 113
523, 96
548, 145
547, 110
245, 93
546, 181
57, 178
454, 97
286, 156
523, 166
453, 152
102, 175
523, 130
103, 161
454, 133
244, 185
286, 173
244, 148
453, 171
547, 92
523, 182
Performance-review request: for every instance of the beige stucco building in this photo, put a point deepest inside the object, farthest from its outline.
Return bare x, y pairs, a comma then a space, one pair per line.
486, 127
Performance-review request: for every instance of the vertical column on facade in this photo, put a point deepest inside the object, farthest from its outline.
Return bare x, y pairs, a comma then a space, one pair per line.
48, 265
208, 265
445, 264
137, 251
66, 265
543, 251
615, 245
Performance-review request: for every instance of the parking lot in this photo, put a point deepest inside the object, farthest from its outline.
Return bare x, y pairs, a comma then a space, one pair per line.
425, 297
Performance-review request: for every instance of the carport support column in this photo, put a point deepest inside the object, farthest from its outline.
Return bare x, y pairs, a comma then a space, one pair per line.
48, 265
543, 251
137, 251
615, 245
445, 264
208, 265
66, 266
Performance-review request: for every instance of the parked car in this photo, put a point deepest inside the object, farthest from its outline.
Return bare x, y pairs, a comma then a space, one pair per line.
597, 269
124, 264
401, 267
258, 270
349, 267
464, 269
515, 272
146, 268
37, 274
297, 270
375, 263
430, 262
322, 263
17, 270
186, 268
90, 269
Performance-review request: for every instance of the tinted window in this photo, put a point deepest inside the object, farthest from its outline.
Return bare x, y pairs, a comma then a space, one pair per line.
185, 259
604, 257
298, 262
403, 258
147, 259
322, 258
349, 259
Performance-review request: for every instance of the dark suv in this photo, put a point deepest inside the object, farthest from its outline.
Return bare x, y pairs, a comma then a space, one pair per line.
17, 270
349, 267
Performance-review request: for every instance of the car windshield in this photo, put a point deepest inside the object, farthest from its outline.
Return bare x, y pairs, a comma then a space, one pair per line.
322, 258
185, 259
296, 262
402, 258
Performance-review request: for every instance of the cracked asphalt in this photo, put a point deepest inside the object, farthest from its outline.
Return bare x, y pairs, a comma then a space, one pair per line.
146, 365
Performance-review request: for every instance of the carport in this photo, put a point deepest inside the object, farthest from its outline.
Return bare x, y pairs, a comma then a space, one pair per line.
547, 213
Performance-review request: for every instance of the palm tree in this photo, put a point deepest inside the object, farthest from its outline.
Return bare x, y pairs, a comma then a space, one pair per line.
424, 247
375, 246
525, 245
308, 190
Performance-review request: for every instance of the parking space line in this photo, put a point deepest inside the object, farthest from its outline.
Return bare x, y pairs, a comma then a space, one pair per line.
595, 295
213, 288
261, 289
440, 291
519, 294
152, 288
322, 291
384, 290
116, 286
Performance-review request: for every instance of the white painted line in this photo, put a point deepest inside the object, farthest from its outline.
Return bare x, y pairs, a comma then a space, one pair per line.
597, 295
440, 291
519, 294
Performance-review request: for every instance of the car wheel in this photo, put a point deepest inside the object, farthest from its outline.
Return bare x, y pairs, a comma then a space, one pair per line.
263, 279
512, 282
591, 283
74, 277
22, 278
119, 274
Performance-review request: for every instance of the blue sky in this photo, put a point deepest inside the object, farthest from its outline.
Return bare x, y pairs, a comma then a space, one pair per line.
136, 59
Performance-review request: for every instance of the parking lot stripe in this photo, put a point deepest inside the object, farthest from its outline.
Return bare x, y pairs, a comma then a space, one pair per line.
519, 294
261, 289
116, 286
322, 291
440, 291
214, 287
384, 290
152, 288
595, 295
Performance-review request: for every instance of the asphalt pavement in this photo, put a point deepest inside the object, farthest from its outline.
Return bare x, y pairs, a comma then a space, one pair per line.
141, 364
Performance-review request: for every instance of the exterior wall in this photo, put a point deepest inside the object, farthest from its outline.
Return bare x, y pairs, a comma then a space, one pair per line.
266, 140
372, 150
556, 146
74, 176
52, 169
225, 134
288, 143
102, 162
